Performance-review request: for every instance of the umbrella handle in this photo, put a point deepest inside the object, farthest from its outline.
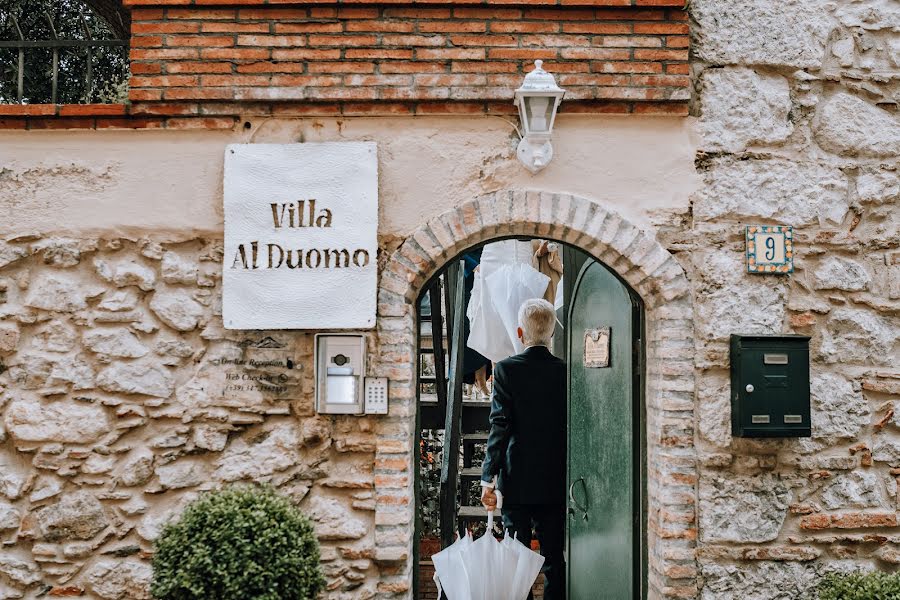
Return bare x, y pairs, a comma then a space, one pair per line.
490, 523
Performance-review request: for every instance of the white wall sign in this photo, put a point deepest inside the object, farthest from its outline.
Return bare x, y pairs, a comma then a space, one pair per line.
301, 224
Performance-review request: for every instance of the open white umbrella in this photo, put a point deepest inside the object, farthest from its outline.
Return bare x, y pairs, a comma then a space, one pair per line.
450, 573
527, 569
486, 569
490, 567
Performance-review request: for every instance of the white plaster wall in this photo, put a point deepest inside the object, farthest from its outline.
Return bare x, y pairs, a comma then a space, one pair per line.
169, 183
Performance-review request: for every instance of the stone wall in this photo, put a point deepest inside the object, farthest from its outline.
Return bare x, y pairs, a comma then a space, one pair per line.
116, 414
797, 105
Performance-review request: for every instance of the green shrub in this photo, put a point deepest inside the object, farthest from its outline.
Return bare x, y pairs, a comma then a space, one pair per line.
241, 543
876, 585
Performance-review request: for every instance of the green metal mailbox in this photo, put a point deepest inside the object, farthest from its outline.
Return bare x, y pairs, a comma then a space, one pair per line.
770, 386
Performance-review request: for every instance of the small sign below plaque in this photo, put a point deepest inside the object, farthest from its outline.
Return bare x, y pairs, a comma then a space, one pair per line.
596, 348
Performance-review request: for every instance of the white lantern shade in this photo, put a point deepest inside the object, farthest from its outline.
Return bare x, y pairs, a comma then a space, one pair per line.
538, 100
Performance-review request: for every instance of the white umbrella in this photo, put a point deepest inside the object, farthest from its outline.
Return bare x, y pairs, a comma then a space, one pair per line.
490, 567
486, 569
527, 569
450, 573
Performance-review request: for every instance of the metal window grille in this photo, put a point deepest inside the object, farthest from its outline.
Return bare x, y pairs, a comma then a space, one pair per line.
89, 45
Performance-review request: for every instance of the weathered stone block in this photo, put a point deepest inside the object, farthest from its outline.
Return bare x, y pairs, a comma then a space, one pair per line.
10, 517
854, 335
838, 273
791, 191
181, 474
118, 342
762, 581
18, 571
32, 420
858, 489
839, 410
46, 487
9, 337
714, 407
332, 520
734, 301
790, 33
58, 293
59, 252
178, 270
119, 300
177, 309
260, 456
10, 253
126, 273
850, 126
137, 378
741, 107
210, 438
56, 336
878, 186
119, 580
77, 516
886, 450
71, 370
741, 508
316, 430
13, 476
137, 468
870, 14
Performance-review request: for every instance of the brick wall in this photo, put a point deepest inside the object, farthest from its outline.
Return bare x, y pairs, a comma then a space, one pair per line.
402, 59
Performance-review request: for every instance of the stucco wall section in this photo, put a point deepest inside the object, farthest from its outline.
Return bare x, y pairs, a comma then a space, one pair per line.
169, 184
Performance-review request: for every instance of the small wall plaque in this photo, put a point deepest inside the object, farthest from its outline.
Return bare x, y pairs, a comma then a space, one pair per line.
770, 249
596, 347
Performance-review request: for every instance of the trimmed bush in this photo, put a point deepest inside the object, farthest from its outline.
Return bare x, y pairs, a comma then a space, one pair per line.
240, 543
876, 585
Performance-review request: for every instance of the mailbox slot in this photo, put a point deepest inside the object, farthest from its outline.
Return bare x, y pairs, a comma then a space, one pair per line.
770, 386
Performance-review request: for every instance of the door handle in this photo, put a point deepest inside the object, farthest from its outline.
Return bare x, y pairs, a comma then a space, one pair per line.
572, 500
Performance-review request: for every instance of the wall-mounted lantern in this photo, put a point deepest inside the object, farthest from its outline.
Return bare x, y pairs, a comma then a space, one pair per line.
538, 100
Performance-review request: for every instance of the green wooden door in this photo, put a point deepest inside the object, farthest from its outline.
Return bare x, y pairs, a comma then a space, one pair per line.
605, 459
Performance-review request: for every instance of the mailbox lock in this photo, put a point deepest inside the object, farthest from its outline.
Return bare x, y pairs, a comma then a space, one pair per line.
750, 388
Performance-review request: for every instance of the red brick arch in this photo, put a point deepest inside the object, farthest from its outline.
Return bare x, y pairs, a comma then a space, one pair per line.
647, 267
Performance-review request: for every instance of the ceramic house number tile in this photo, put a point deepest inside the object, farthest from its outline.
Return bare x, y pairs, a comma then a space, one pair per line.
770, 249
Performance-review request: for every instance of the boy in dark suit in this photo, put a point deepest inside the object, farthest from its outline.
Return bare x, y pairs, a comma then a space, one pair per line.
526, 448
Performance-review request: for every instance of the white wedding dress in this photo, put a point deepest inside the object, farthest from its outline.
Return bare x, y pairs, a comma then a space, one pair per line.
504, 280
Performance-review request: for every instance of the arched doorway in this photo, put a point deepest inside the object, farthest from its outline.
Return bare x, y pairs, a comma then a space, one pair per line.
600, 336
638, 259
